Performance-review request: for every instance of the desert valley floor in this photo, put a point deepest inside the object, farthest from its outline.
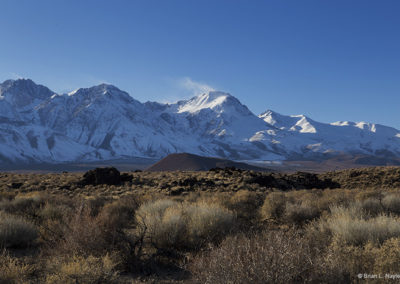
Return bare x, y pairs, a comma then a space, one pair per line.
217, 226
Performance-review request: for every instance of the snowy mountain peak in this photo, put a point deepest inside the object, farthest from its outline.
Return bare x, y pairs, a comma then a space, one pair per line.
100, 92
209, 100
270, 116
303, 125
101, 89
299, 123
278, 120
23, 92
219, 102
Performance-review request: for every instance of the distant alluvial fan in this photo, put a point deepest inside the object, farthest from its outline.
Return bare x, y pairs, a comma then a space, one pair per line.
103, 123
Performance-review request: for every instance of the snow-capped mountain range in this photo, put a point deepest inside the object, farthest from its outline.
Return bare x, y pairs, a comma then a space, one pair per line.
103, 123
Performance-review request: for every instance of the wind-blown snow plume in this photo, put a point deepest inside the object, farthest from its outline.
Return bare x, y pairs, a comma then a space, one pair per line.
195, 88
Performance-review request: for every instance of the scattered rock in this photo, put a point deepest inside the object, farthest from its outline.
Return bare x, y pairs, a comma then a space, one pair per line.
298, 180
109, 176
126, 177
15, 185
177, 191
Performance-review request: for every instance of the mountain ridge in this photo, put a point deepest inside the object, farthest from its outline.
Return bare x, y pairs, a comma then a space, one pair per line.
103, 123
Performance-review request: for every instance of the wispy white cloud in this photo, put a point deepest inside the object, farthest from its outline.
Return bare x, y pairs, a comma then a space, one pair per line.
176, 89
16, 76
93, 80
196, 88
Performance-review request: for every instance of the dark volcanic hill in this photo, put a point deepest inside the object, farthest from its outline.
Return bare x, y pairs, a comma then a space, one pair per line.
190, 162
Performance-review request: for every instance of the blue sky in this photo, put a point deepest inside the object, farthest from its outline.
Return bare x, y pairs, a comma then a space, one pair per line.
331, 60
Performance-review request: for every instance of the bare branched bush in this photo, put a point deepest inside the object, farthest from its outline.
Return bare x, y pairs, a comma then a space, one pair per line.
84, 233
271, 257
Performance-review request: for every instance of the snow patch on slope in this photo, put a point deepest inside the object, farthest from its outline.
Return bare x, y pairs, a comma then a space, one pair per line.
209, 100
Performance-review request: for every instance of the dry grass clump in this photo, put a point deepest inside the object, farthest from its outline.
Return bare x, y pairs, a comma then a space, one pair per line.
303, 206
24, 206
269, 257
13, 270
353, 227
293, 209
6, 195
207, 222
161, 228
120, 212
387, 257
347, 261
78, 269
371, 206
16, 232
391, 203
54, 212
298, 214
274, 205
169, 224
245, 204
